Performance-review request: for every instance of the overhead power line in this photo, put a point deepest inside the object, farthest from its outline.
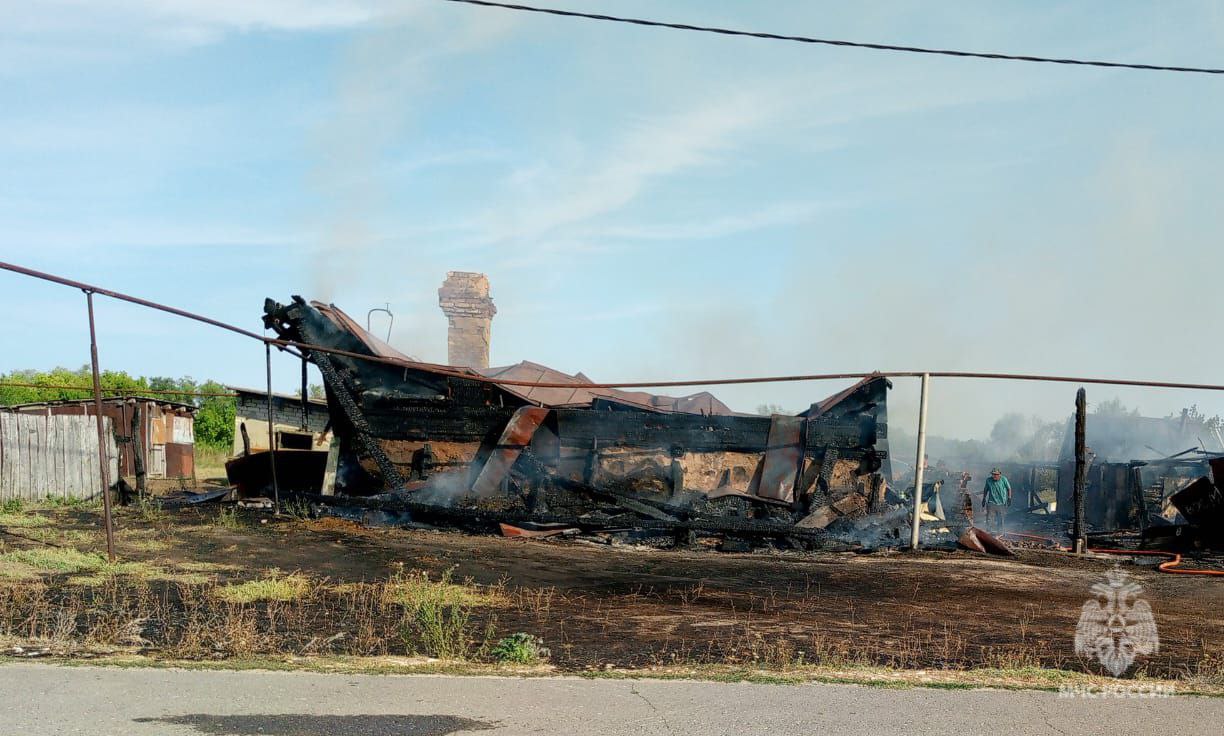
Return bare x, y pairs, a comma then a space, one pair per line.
836, 42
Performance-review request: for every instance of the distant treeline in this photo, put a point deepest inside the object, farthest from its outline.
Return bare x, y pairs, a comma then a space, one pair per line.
214, 418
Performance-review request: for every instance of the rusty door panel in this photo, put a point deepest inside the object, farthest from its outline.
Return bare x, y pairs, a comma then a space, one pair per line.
517, 435
782, 454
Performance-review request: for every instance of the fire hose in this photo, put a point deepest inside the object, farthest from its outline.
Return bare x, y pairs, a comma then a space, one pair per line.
1171, 564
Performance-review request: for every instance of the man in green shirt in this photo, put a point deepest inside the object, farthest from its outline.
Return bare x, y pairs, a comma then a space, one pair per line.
996, 497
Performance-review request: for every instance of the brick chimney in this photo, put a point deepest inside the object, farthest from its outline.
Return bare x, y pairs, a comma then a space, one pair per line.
464, 298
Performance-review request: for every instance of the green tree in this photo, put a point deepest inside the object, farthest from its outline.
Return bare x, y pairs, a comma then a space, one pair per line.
768, 409
46, 384
1114, 408
214, 420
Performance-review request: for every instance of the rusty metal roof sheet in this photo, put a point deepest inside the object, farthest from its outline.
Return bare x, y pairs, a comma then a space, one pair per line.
376, 346
105, 400
699, 403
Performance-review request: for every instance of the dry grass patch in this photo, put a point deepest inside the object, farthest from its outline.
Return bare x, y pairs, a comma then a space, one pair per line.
210, 461
80, 537
10, 570
187, 578
275, 587
198, 566
129, 533
60, 537
415, 590
146, 545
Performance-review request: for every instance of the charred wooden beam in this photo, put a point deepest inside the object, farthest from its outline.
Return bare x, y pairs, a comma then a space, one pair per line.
1078, 541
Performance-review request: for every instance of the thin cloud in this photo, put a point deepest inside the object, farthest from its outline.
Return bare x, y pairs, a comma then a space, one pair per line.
213, 16
548, 197
767, 216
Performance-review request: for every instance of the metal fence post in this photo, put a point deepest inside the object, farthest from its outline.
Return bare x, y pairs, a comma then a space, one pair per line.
272, 432
102, 459
305, 398
918, 466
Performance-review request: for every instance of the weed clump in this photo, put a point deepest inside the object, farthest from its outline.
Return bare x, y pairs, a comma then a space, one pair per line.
437, 614
275, 587
415, 590
520, 648
228, 518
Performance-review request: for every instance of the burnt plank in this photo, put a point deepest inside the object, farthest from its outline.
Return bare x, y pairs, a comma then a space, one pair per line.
443, 420
846, 433
693, 432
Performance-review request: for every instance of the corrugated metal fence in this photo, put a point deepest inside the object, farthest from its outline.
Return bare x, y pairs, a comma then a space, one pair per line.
46, 456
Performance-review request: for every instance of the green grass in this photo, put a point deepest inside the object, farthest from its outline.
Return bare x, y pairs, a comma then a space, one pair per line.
51, 559
23, 521
210, 461
275, 587
84, 568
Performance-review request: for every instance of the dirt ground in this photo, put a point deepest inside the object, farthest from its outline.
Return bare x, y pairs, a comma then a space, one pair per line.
598, 606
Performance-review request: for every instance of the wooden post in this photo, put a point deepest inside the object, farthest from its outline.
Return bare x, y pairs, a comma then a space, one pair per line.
138, 460
102, 459
1078, 533
918, 466
329, 470
1033, 498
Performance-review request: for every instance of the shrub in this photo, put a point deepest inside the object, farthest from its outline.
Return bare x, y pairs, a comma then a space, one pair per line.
438, 630
437, 614
520, 648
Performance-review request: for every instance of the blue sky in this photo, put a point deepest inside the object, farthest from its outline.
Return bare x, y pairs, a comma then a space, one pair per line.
647, 203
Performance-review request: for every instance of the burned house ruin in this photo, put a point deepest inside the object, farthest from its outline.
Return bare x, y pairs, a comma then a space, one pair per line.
528, 445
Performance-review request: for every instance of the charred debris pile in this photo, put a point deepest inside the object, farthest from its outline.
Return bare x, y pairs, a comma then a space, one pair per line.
532, 451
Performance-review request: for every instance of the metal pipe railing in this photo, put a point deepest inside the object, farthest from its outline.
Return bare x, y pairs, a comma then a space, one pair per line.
293, 346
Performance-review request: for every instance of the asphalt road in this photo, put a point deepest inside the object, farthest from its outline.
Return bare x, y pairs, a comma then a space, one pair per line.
42, 699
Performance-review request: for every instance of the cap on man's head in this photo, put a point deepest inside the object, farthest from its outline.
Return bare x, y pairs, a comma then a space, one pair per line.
996, 470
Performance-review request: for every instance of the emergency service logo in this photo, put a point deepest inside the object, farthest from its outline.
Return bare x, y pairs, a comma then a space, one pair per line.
1117, 626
